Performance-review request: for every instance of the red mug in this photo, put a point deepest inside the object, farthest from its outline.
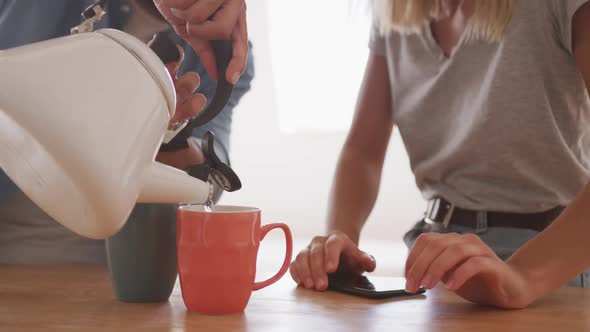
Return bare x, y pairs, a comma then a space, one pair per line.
217, 253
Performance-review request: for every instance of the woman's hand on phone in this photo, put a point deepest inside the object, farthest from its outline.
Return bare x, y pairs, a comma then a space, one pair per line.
327, 254
468, 267
200, 21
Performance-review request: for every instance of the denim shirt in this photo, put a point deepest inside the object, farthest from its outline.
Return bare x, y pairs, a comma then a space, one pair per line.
29, 21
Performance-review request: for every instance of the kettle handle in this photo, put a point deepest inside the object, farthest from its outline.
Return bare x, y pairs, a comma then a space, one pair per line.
223, 51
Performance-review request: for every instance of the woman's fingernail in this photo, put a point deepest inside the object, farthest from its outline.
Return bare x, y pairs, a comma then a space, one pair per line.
330, 266
320, 284
428, 281
410, 285
235, 78
308, 283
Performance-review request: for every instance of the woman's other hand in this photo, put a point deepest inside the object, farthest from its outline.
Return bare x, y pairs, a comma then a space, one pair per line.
468, 267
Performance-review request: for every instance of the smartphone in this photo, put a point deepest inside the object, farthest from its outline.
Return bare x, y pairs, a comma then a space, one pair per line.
369, 287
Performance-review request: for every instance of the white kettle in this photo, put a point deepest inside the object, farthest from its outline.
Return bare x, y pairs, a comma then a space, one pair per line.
81, 120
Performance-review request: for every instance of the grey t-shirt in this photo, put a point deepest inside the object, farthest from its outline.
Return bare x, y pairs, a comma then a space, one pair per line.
496, 126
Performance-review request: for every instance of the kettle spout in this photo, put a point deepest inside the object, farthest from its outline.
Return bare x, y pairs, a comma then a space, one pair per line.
166, 184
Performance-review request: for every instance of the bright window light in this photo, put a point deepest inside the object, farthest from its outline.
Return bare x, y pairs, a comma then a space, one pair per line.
318, 49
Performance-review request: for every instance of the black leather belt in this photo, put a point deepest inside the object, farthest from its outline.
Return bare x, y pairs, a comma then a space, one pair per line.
442, 212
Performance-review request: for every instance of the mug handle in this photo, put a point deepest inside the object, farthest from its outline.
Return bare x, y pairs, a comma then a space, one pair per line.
289, 242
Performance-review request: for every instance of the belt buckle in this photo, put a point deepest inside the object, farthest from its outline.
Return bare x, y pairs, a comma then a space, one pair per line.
439, 209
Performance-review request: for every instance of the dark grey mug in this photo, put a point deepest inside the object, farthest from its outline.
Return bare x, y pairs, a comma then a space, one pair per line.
142, 256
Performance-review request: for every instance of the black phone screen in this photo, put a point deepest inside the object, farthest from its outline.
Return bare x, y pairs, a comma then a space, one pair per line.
369, 287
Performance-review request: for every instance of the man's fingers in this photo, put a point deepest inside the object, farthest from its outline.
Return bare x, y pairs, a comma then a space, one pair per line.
178, 4
206, 55
174, 67
199, 12
164, 7
201, 21
239, 60
180, 29
189, 108
221, 25
173, 70
186, 86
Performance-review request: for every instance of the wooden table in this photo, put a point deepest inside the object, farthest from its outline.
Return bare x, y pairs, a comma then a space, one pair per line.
80, 298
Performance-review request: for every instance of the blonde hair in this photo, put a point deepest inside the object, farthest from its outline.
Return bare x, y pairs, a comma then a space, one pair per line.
490, 18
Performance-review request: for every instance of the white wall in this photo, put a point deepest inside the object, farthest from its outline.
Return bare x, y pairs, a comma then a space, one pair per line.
289, 176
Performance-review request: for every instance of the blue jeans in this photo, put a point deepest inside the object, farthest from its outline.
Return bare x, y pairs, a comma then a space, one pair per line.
504, 241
